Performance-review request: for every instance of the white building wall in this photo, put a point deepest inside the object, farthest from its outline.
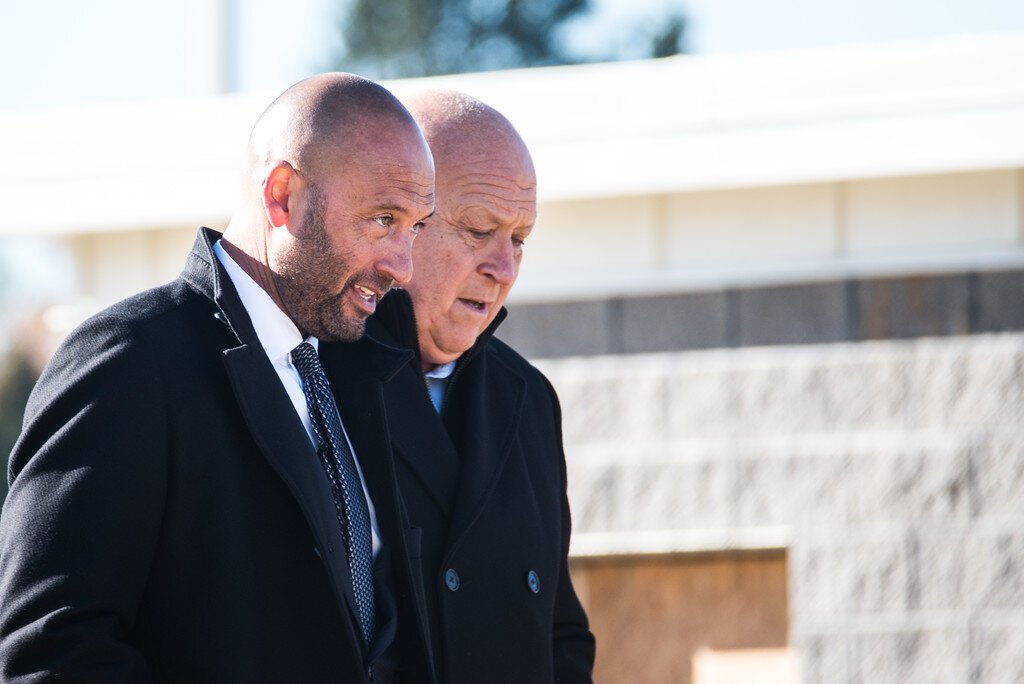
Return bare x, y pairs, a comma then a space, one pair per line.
622, 246
940, 213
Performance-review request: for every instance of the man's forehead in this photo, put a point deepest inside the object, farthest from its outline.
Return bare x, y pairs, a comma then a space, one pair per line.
408, 191
478, 184
489, 209
401, 167
485, 156
399, 197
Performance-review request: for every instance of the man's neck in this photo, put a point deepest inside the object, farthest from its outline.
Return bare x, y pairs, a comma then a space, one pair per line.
255, 267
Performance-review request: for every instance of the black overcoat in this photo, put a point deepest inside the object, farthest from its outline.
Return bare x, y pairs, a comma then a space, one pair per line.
168, 519
486, 483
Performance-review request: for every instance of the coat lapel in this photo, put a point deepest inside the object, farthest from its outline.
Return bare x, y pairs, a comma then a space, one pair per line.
422, 442
284, 443
468, 450
271, 418
486, 407
358, 373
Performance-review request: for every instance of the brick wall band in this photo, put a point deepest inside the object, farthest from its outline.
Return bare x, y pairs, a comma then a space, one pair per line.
812, 313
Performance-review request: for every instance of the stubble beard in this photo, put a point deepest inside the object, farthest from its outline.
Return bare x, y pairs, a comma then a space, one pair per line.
307, 275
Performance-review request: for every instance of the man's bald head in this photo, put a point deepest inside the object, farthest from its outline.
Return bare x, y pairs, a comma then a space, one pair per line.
467, 260
461, 128
321, 117
337, 181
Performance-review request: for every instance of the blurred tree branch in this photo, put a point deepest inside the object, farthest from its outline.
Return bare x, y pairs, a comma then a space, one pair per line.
409, 38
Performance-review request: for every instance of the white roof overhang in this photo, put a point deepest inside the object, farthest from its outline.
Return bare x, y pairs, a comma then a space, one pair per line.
686, 123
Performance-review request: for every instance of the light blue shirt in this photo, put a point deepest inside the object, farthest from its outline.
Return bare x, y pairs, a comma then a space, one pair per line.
437, 383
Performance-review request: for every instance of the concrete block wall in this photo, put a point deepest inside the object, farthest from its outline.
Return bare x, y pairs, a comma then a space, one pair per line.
892, 470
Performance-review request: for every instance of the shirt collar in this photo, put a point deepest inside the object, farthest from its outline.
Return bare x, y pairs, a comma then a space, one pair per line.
276, 332
442, 371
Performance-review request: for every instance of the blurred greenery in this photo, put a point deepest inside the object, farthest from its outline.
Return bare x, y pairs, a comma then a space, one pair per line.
668, 40
409, 38
17, 377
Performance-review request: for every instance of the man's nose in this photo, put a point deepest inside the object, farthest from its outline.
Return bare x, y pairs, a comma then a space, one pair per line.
501, 263
396, 263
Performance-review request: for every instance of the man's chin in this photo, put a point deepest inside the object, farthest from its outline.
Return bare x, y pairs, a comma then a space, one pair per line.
350, 331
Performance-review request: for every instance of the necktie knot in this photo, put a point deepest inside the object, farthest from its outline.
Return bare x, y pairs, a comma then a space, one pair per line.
307, 362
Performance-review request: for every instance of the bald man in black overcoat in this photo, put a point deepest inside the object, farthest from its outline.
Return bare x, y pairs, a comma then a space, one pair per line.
475, 427
180, 504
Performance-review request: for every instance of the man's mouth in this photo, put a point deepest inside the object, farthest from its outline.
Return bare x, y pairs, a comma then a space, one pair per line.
367, 296
366, 293
477, 305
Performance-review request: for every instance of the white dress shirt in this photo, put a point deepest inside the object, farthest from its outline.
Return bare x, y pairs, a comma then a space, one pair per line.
279, 336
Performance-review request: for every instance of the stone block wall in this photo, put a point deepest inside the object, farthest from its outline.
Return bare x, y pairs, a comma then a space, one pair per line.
892, 471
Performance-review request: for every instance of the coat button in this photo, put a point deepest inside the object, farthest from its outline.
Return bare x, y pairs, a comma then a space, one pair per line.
451, 580
533, 582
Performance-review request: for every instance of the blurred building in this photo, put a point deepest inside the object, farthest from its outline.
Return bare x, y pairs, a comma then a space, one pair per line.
782, 299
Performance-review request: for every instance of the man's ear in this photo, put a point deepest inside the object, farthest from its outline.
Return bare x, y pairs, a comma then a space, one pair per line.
278, 186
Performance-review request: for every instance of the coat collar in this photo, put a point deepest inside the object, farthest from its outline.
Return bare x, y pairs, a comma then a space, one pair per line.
395, 323
204, 272
271, 419
480, 419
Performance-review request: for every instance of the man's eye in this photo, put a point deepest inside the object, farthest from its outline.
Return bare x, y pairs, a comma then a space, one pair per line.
418, 227
479, 234
385, 221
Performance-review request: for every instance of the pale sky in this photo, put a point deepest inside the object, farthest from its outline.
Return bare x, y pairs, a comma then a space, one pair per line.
71, 52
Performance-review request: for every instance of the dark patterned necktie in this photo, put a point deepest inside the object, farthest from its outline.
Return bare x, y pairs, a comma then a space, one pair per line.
346, 487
